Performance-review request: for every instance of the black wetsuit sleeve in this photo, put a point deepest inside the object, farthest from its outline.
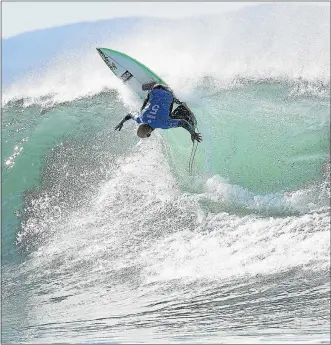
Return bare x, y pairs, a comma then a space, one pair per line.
127, 117
186, 125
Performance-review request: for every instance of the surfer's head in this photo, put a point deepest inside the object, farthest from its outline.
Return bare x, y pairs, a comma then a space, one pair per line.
144, 130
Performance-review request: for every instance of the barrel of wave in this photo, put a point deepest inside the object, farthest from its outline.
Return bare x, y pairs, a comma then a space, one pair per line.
257, 138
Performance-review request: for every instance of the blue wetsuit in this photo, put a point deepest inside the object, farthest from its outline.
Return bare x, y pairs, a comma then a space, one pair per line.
156, 111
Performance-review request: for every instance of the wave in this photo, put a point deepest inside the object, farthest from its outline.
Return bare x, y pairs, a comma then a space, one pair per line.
260, 164
103, 232
155, 208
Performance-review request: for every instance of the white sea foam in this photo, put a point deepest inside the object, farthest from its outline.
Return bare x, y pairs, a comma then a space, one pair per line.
151, 223
288, 42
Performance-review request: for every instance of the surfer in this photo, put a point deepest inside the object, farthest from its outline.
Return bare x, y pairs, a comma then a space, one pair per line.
156, 112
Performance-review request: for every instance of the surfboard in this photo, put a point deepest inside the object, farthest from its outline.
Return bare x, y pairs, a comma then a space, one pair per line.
138, 77
133, 73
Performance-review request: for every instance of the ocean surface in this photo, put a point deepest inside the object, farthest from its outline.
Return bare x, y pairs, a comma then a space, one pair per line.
107, 238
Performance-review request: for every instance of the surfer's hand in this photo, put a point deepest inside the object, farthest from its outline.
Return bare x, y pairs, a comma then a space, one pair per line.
197, 137
119, 126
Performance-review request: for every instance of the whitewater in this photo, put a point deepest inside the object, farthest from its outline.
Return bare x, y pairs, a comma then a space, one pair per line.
107, 238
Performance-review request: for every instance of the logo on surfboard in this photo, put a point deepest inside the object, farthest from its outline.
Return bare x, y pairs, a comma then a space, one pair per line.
126, 76
105, 58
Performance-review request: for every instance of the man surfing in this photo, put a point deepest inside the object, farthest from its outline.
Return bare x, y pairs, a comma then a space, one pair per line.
156, 112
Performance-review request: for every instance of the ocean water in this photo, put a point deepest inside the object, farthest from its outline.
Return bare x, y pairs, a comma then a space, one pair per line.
108, 238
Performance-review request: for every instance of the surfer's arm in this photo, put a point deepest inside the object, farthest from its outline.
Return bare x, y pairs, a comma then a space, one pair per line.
186, 125
126, 118
181, 123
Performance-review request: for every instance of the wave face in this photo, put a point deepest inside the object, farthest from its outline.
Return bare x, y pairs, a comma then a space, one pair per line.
106, 238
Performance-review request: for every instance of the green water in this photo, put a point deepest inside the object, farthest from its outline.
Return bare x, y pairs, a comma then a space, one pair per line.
34, 135
258, 138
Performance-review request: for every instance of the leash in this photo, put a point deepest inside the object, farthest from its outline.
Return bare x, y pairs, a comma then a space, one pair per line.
190, 164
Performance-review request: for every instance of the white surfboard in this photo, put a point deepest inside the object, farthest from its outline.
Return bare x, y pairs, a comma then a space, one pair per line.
134, 74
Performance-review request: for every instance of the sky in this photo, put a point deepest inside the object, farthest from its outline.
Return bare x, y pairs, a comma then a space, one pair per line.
19, 17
